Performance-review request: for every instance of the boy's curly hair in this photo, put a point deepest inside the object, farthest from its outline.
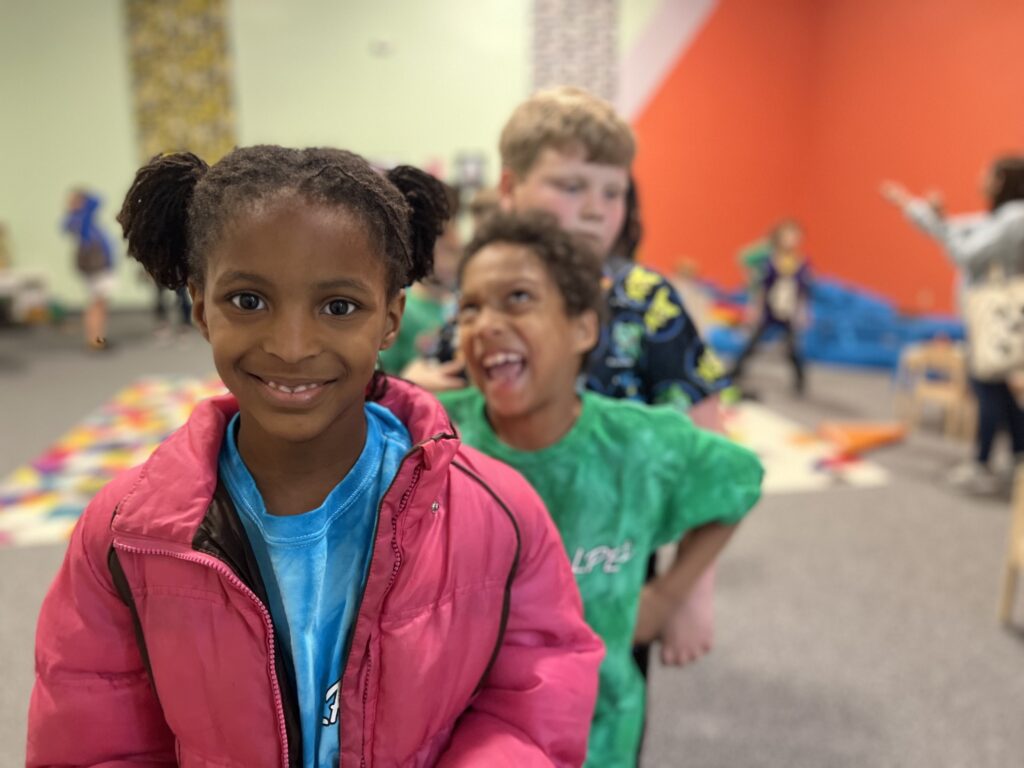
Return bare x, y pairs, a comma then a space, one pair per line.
566, 119
572, 264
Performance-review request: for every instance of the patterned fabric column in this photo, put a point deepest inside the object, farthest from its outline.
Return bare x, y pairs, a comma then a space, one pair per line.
575, 42
181, 76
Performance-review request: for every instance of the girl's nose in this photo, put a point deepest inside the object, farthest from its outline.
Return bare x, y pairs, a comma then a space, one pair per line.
292, 337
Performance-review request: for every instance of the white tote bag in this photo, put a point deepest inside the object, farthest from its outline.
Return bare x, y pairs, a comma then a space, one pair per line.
994, 313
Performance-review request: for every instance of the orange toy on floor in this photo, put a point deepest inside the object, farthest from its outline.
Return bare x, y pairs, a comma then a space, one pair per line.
854, 439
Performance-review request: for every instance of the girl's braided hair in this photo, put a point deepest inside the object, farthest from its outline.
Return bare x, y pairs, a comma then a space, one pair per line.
178, 206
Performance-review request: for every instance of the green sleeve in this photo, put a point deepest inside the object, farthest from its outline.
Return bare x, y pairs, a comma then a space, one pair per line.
394, 359
422, 316
449, 400
462, 405
709, 477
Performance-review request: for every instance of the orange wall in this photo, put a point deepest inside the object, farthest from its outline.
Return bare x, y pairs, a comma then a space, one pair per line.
721, 144
801, 107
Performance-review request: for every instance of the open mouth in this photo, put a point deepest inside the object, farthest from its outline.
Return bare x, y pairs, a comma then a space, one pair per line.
503, 367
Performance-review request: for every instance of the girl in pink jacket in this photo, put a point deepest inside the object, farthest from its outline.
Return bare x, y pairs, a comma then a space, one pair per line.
313, 571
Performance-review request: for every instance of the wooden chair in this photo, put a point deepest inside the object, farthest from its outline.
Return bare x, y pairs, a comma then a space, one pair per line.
1014, 550
934, 374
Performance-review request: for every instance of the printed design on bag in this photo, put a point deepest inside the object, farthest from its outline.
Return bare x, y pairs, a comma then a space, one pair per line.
995, 329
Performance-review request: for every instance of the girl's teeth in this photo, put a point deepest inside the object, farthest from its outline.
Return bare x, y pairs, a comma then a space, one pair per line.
291, 390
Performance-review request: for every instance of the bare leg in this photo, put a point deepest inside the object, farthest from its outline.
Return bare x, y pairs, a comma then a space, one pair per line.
96, 323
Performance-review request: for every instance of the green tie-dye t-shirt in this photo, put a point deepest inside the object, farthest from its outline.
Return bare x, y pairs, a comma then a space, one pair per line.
626, 479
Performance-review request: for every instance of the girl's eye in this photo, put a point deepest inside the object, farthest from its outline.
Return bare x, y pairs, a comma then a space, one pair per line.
339, 307
248, 302
467, 312
519, 297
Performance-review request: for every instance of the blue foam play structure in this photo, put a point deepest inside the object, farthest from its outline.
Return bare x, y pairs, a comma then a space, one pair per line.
849, 326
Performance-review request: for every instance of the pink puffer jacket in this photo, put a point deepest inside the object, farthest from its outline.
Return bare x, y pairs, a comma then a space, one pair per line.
155, 646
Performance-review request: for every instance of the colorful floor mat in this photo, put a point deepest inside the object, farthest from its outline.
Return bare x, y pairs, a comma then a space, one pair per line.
795, 459
40, 502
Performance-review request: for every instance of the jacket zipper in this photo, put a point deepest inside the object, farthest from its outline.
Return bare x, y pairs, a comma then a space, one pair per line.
211, 562
396, 550
366, 696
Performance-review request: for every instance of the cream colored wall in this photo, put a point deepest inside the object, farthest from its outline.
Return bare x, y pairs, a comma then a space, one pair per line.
397, 80
634, 16
66, 121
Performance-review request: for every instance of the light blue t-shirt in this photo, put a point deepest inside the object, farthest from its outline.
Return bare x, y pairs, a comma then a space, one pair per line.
314, 566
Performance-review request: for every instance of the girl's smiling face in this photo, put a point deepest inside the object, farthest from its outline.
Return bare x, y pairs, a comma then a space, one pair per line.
294, 304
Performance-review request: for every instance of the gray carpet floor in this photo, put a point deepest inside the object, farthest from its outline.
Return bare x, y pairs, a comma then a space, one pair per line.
854, 627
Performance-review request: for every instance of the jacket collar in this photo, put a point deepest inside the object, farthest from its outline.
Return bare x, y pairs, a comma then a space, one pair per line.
174, 487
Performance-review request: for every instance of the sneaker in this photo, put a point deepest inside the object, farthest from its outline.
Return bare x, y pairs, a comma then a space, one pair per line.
975, 478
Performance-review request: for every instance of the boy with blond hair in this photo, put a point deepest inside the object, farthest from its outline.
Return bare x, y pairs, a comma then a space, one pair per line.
567, 152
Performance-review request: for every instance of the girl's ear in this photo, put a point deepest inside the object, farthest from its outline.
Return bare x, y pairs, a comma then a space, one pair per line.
393, 321
586, 329
195, 292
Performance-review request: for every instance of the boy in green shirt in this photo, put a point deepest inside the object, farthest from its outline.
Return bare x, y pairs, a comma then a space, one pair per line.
619, 478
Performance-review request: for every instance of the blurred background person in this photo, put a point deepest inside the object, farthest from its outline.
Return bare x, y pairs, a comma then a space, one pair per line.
429, 302
165, 327
484, 202
780, 299
986, 247
94, 260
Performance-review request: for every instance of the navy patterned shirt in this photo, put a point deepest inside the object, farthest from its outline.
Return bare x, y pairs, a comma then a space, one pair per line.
650, 350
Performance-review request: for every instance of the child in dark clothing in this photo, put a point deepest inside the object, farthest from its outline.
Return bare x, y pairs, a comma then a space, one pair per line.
780, 301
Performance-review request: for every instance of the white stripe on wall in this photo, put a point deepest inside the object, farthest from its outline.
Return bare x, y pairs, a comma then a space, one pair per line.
671, 30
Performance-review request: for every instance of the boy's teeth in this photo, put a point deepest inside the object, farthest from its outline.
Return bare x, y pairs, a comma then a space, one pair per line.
500, 358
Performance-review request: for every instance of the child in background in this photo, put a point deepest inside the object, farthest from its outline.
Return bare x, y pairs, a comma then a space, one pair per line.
781, 299
427, 301
978, 243
313, 568
484, 202
567, 152
94, 261
753, 259
619, 478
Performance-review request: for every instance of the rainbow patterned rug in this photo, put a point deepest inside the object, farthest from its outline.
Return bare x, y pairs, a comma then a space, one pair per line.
40, 502
795, 459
